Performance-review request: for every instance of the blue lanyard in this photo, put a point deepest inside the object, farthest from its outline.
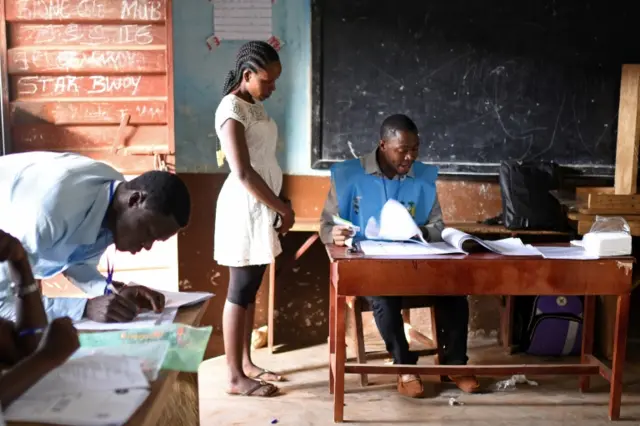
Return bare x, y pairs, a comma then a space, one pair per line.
110, 268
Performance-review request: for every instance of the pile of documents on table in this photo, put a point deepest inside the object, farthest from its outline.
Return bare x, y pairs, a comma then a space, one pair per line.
94, 390
110, 375
397, 235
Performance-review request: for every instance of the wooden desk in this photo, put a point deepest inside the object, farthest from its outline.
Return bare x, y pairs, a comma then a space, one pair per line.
149, 412
480, 274
313, 225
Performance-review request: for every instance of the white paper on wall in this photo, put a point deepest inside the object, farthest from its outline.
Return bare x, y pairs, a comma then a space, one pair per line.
243, 20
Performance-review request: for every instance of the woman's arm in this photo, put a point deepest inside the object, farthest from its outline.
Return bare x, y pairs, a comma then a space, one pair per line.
234, 145
22, 376
59, 342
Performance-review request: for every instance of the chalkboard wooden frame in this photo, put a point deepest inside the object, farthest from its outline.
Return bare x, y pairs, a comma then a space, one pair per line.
319, 162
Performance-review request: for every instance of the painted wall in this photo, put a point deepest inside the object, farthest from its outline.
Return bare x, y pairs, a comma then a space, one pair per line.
200, 73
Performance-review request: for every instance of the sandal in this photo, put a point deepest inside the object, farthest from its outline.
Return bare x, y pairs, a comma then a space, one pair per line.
270, 390
265, 371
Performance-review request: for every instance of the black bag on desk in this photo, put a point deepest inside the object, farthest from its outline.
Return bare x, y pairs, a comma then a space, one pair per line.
526, 201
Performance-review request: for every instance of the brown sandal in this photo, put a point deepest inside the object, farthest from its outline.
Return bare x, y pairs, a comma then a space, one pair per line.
265, 371
271, 390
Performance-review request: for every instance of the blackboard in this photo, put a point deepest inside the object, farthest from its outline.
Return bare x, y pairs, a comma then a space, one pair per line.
484, 80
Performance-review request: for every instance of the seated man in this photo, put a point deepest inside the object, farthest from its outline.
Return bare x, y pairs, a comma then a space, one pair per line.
29, 362
67, 209
359, 189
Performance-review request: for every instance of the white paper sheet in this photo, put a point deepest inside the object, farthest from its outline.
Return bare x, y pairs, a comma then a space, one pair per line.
150, 355
175, 299
91, 374
242, 19
404, 249
571, 252
143, 320
506, 246
396, 224
79, 408
511, 247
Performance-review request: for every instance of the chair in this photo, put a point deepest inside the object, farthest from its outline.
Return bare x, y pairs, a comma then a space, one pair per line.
358, 305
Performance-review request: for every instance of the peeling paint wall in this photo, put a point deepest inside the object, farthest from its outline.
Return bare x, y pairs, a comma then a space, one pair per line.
199, 77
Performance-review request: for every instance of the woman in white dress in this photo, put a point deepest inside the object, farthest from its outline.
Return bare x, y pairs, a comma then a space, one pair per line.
249, 208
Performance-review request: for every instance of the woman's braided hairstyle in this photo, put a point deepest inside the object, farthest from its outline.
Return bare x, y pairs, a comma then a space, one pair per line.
253, 55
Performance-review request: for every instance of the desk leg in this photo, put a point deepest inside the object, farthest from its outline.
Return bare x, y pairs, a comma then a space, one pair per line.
341, 358
332, 334
506, 323
588, 321
271, 306
619, 350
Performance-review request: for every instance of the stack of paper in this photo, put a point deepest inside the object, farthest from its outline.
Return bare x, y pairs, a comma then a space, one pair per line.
404, 249
144, 320
567, 253
607, 243
174, 299
95, 390
505, 247
150, 355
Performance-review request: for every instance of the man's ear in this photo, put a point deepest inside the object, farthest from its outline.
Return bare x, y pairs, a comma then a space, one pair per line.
382, 144
136, 198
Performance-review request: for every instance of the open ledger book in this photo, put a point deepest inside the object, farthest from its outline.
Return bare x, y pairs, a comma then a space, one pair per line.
398, 235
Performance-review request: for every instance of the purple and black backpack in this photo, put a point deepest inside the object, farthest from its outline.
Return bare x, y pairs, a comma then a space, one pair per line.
555, 328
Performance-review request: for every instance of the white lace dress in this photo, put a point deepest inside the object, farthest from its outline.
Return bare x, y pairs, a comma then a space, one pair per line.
244, 232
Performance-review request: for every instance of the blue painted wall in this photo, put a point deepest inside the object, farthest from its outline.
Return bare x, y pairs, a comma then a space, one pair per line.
199, 76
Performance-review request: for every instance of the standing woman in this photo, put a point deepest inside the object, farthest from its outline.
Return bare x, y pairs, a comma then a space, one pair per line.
248, 207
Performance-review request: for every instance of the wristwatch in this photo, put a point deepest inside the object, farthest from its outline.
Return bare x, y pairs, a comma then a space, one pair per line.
17, 287
24, 290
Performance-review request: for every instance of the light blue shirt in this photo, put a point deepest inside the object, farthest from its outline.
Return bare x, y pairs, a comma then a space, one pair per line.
55, 204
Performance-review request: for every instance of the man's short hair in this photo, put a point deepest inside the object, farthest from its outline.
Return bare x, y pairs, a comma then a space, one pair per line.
396, 123
166, 194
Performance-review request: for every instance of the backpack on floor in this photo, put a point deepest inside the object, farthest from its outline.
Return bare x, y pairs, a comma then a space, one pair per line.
555, 328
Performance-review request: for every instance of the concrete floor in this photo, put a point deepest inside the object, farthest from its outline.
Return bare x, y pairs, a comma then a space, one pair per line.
305, 398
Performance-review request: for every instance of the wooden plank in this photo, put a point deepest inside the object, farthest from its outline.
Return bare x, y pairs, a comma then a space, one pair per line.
5, 138
92, 86
612, 203
86, 10
65, 113
23, 61
49, 137
582, 192
628, 131
134, 164
591, 217
170, 87
585, 226
131, 35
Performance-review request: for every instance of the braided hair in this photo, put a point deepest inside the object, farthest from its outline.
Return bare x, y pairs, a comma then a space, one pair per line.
253, 55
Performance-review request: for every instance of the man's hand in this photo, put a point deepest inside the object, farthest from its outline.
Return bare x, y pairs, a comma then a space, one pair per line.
110, 308
143, 297
11, 249
59, 341
340, 234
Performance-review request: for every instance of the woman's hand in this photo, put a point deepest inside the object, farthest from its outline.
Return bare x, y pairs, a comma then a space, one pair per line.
288, 217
